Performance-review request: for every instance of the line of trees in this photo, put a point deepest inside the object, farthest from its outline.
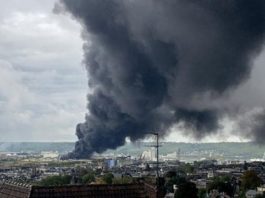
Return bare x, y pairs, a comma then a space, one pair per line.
222, 184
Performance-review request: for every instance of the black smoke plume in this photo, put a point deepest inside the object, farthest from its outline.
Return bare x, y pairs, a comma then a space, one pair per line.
150, 61
252, 125
258, 128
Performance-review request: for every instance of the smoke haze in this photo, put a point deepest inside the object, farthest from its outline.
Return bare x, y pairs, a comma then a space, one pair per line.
150, 63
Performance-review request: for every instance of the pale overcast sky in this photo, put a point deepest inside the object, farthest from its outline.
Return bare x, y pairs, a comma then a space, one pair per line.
43, 84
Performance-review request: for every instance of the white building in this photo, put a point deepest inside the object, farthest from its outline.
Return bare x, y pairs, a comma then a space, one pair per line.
51, 155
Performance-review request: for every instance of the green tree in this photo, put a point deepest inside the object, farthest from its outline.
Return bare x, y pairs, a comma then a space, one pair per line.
171, 178
170, 174
174, 180
187, 168
222, 184
122, 180
250, 180
55, 180
202, 193
107, 178
187, 189
88, 178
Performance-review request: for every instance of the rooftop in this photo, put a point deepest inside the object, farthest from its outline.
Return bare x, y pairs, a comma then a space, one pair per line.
15, 190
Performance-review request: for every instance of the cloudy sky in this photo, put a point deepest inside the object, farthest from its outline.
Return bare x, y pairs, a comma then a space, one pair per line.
43, 84
42, 81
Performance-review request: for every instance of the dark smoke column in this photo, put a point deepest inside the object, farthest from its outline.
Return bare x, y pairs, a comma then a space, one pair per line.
151, 62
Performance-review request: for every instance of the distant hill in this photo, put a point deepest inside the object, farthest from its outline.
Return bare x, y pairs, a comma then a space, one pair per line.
226, 150
36, 147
